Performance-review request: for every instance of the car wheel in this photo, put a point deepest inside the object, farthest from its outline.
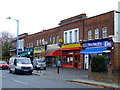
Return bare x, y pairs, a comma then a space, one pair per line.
44, 68
30, 73
10, 70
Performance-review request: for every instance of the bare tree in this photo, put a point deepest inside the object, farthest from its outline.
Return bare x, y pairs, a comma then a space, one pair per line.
5, 41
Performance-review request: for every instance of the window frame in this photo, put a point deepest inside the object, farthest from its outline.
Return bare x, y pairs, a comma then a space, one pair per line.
96, 33
104, 32
89, 34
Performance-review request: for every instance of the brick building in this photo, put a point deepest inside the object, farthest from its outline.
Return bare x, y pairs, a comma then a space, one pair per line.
13, 50
76, 32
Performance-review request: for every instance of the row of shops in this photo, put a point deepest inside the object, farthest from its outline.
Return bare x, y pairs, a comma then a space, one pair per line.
71, 55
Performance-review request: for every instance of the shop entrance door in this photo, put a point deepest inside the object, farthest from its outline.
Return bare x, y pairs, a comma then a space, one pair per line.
86, 61
76, 57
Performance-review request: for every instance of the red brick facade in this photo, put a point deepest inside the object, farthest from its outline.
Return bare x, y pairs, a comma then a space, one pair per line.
83, 23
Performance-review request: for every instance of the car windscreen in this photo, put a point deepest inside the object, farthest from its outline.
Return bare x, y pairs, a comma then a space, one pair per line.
23, 61
3, 62
41, 60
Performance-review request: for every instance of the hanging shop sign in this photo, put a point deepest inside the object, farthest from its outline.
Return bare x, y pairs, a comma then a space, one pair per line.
39, 49
60, 40
98, 44
71, 45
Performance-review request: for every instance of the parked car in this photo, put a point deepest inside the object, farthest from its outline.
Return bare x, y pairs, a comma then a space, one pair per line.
39, 64
3, 65
20, 65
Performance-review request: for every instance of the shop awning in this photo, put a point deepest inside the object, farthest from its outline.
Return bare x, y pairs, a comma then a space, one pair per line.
53, 53
23, 54
50, 53
43, 53
98, 50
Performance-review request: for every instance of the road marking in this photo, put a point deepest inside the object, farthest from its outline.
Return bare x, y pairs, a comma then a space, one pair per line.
3, 76
20, 82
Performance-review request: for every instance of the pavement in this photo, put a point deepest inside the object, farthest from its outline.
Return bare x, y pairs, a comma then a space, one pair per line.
74, 75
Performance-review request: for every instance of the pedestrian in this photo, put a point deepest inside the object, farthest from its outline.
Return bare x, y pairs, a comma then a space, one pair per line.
58, 65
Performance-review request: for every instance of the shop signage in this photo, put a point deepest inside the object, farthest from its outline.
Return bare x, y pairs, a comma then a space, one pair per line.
71, 46
39, 49
60, 40
54, 46
29, 50
98, 44
20, 51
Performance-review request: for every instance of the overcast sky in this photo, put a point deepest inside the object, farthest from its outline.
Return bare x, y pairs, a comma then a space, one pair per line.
35, 15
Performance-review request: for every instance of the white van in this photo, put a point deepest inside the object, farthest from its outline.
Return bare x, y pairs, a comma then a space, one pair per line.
20, 65
39, 64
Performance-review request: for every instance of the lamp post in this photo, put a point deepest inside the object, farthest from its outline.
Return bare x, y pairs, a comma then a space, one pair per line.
17, 31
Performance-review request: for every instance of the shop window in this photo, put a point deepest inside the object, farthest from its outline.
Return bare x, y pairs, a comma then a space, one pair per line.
71, 60
64, 59
67, 62
69, 52
75, 52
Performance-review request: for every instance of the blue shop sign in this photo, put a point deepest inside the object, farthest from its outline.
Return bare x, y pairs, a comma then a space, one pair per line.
98, 44
29, 50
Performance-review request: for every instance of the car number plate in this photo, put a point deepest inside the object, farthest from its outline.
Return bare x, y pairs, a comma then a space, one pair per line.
25, 70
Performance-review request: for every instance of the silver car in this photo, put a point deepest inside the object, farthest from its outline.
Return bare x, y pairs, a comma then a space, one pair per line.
39, 64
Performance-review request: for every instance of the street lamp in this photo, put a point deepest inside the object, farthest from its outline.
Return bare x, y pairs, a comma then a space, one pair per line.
17, 31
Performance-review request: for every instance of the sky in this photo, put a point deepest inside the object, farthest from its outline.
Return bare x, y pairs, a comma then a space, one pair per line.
36, 15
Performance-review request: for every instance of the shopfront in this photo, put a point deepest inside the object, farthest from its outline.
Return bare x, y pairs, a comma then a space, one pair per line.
37, 51
95, 47
71, 55
52, 55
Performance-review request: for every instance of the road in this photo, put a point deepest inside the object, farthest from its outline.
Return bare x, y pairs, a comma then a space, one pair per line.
33, 81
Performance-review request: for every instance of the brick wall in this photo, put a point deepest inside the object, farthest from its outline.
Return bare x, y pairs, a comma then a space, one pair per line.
116, 56
100, 21
46, 34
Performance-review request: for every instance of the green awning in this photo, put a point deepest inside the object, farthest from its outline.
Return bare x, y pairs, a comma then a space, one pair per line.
23, 54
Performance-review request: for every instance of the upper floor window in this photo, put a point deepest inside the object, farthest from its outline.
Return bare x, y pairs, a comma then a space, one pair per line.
76, 36
40, 41
89, 34
43, 41
29, 44
32, 44
57, 37
97, 33
70, 36
65, 37
37, 42
53, 40
104, 30
49, 40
